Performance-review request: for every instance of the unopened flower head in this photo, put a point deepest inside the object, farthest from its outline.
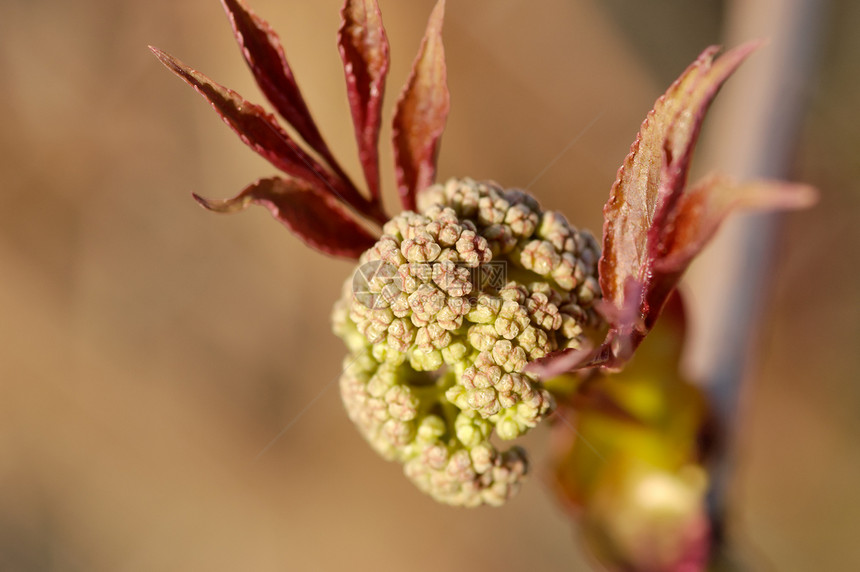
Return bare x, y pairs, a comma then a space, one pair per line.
441, 317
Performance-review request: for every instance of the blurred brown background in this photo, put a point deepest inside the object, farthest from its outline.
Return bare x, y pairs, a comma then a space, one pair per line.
149, 350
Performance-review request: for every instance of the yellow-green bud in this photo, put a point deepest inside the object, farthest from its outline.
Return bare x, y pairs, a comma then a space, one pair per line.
441, 318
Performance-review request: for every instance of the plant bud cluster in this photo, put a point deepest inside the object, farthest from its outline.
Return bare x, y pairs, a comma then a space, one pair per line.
441, 318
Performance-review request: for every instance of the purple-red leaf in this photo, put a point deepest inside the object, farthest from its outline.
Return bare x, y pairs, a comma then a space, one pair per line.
260, 131
653, 228
265, 56
653, 175
560, 362
318, 219
421, 114
364, 50
698, 214
703, 208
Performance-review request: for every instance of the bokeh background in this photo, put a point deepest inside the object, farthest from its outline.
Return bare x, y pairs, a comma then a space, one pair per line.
149, 351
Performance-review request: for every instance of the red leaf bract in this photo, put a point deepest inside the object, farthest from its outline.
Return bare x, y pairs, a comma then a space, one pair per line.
653, 175
364, 50
421, 114
264, 54
260, 131
316, 218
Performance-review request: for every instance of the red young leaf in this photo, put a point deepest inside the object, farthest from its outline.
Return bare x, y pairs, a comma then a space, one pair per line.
699, 213
260, 131
561, 362
652, 228
364, 50
421, 113
703, 208
317, 218
653, 175
265, 56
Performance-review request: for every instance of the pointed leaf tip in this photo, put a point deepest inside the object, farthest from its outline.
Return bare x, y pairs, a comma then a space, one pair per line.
364, 50
421, 113
702, 210
261, 132
653, 175
560, 362
653, 227
225, 206
165, 58
264, 54
318, 219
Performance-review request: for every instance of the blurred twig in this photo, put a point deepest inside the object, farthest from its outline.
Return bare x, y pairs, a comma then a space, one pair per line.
752, 134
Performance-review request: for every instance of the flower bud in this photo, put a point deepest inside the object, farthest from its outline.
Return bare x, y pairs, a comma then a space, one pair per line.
441, 318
